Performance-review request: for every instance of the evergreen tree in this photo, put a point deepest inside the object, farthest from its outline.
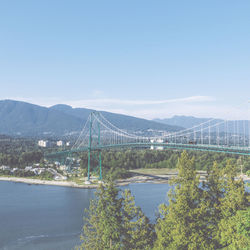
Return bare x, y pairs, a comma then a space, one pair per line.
234, 200
182, 224
235, 231
138, 232
103, 223
211, 216
226, 197
213, 194
115, 222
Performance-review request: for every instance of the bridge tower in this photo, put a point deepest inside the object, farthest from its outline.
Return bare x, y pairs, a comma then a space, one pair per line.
94, 155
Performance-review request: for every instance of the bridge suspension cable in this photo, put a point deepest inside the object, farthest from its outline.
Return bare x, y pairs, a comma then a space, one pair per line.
210, 132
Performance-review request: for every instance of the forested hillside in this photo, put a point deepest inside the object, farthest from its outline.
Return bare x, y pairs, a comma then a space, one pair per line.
25, 119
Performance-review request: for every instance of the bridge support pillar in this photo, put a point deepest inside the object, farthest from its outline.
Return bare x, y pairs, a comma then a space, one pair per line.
92, 152
89, 158
100, 165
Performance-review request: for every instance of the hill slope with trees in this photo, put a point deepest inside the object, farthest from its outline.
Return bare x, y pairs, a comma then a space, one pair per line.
26, 119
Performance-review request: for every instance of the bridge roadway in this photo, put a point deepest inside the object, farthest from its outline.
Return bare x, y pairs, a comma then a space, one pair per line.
196, 147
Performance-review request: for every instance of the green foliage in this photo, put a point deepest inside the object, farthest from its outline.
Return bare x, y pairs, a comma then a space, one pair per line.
19, 152
114, 222
103, 223
242, 221
137, 230
246, 166
116, 173
181, 225
46, 175
235, 230
234, 200
248, 173
5, 172
30, 157
21, 173
134, 159
211, 216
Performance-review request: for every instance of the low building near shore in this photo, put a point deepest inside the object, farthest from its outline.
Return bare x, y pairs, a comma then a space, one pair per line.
5, 167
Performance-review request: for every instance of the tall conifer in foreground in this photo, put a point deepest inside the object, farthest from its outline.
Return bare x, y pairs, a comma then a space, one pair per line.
182, 223
211, 217
113, 221
103, 222
213, 194
227, 200
233, 209
138, 231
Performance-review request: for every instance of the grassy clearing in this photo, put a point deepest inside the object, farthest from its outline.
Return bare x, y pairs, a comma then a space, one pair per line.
154, 171
80, 180
77, 180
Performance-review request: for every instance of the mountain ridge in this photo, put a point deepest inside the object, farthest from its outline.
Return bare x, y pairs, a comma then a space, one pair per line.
27, 119
186, 121
191, 121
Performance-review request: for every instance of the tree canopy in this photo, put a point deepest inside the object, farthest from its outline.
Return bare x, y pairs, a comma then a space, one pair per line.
113, 221
213, 214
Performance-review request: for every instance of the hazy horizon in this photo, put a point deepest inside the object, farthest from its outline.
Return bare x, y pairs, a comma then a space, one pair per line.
102, 110
140, 58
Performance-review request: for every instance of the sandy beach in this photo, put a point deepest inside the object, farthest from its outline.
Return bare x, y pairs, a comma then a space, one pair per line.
46, 182
121, 182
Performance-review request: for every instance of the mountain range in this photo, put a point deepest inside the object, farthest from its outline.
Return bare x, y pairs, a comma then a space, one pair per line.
189, 121
184, 121
26, 119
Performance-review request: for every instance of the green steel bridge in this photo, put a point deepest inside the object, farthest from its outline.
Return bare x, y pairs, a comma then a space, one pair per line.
99, 134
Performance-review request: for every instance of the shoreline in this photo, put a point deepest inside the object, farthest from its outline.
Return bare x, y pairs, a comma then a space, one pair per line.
120, 182
46, 182
156, 179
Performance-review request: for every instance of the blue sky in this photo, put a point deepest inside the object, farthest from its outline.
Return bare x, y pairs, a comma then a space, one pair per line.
144, 58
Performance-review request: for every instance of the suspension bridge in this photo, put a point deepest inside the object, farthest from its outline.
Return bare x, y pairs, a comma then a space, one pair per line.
98, 134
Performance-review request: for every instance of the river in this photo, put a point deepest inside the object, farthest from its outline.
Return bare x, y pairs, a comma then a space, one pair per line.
38, 217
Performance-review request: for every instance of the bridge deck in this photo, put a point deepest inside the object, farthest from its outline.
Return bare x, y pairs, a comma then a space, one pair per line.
197, 147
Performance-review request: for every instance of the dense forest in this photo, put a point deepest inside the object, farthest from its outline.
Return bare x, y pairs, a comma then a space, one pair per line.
19, 152
117, 163
209, 215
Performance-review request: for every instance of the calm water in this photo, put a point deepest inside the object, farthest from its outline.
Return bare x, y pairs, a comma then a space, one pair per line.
41, 217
